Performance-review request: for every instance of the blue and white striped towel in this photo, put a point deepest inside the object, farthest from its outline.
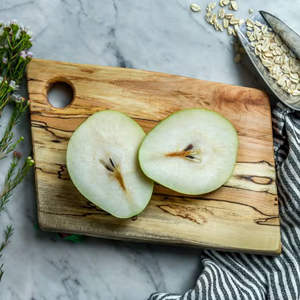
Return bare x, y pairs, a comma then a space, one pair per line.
243, 276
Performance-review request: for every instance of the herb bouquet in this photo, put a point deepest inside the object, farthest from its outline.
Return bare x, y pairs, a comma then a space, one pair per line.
15, 40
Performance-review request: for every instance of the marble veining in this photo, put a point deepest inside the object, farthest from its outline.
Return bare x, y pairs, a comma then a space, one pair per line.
163, 36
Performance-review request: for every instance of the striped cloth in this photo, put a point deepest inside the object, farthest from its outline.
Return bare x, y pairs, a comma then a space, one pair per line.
244, 276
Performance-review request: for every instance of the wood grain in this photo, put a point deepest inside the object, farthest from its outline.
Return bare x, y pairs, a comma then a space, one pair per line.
240, 216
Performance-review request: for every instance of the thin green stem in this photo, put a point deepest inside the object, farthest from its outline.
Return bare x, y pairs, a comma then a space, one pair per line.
12, 67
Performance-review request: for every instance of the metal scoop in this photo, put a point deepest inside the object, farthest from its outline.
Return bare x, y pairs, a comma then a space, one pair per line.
289, 37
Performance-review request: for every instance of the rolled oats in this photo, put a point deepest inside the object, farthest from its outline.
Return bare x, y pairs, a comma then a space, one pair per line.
195, 7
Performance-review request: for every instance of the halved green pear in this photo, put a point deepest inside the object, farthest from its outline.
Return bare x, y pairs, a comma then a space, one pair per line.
102, 160
193, 151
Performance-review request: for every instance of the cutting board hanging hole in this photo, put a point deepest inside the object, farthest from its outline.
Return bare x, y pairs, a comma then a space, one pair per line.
60, 94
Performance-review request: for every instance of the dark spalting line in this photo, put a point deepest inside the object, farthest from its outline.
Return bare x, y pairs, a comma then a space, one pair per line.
38, 124
82, 117
45, 127
38, 93
35, 79
244, 189
59, 173
263, 220
185, 213
252, 179
61, 116
87, 71
231, 202
257, 162
75, 215
48, 146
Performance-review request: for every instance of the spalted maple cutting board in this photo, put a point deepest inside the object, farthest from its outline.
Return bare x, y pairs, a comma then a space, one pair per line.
240, 216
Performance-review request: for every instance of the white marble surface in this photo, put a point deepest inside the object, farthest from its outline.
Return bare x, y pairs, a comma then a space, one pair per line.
156, 35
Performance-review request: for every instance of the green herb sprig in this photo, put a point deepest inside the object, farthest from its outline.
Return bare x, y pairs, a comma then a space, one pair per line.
15, 40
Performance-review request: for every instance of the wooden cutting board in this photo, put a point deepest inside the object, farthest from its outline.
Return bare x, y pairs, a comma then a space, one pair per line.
240, 216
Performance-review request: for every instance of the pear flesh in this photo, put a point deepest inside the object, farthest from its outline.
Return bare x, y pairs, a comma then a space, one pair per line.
102, 160
193, 151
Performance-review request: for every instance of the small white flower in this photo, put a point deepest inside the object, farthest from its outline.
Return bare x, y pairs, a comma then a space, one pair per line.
12, 84
13, 22
23, 54
1, 31
30, 33
16, 98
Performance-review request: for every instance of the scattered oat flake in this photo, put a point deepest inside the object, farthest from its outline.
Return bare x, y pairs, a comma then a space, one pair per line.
234, 21
229, 16
252, 37
265, 46
230, 30
213, 18
264, 28
195, 7
249, 24
222, 13
296, 93
250, 10
225, 23
268, 54
213, 5
234, 5
238, 58
241, 22
258, 24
